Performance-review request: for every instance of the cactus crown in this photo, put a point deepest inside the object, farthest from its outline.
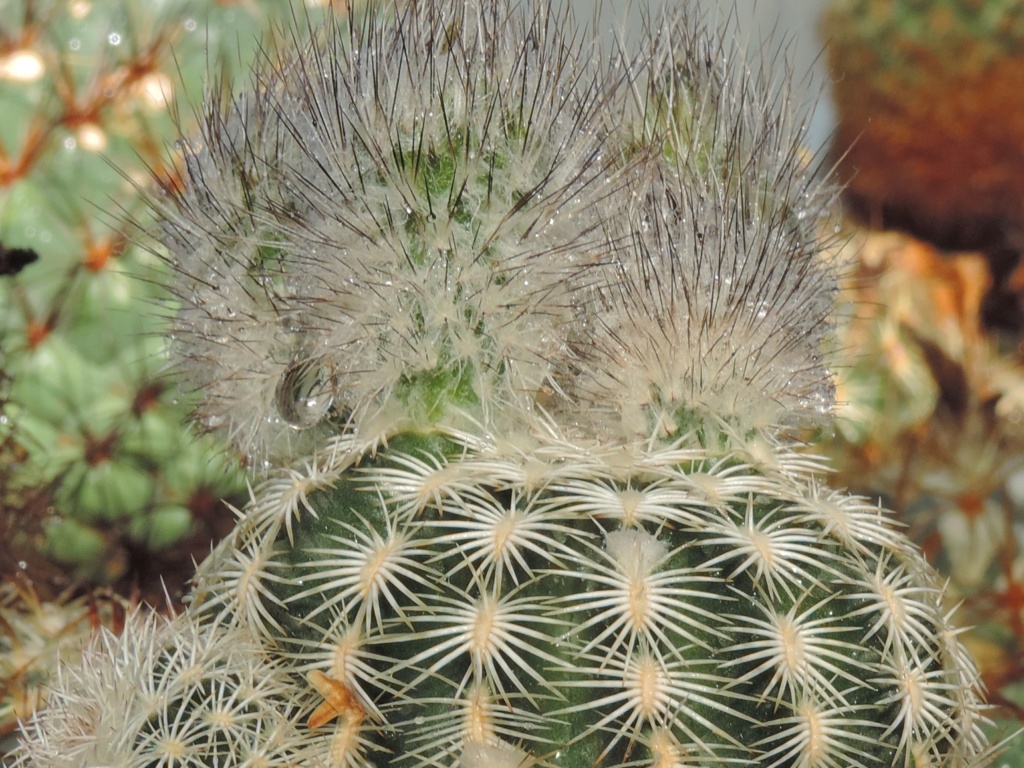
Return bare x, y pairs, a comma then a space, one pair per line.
449, 214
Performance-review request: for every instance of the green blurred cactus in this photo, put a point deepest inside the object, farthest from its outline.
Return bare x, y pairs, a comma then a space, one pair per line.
518, 329
100, 470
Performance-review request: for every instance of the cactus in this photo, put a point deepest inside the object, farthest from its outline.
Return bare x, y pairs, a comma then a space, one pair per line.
597, 607
924, 91
99, 473
518, 332
164, 689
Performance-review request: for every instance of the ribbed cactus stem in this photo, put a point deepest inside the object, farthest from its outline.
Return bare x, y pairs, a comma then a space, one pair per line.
589, 607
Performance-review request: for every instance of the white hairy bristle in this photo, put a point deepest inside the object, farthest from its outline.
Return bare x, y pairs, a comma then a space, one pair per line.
168, 691
448, 213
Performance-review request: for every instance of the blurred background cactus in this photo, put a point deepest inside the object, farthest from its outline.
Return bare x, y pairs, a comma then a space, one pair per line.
930, 134
101, 481
101, 476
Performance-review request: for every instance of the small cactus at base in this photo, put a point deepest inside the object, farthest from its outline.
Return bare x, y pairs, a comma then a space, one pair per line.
518, 330
168, 692
38, 636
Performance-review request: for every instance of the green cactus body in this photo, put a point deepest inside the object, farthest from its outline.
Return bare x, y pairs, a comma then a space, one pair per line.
578, 606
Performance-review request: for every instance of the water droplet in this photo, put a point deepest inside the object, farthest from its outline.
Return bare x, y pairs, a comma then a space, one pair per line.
305, 394
212, 421
114, 38
91, 137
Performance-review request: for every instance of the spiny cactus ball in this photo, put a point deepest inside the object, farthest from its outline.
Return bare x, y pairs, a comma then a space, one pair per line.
168, 692
585, 605
515, 327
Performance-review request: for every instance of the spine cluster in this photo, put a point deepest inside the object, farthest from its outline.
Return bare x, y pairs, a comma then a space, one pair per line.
170, 692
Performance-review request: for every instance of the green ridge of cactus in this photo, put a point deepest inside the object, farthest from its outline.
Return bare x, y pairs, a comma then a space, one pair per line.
517, 327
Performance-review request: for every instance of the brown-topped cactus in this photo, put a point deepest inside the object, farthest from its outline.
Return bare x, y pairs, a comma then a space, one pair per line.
930, 131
